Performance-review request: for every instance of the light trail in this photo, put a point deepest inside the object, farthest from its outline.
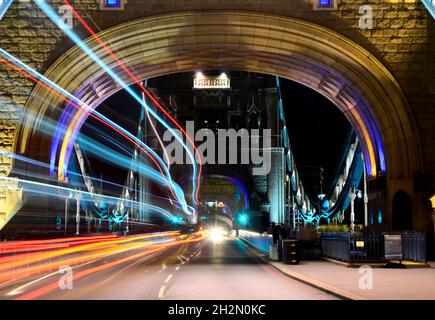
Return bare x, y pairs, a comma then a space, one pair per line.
108, 155
134, 247
50, 190
72, 173
93, 113
98, 150
145, 91
20, 265
168, 162
57, 20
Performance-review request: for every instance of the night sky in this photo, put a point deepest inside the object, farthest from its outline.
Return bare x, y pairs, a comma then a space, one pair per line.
317, 128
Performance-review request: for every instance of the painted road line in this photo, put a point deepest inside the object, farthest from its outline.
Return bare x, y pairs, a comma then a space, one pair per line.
161, 292
168, 278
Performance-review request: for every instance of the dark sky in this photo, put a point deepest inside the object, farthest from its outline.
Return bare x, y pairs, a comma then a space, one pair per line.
317, 128
125, 111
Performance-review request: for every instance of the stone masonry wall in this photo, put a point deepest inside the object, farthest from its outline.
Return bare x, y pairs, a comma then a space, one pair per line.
403, 38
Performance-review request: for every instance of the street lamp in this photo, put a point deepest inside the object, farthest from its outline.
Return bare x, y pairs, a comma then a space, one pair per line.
66, 211
78, 197
352, 209
243, 219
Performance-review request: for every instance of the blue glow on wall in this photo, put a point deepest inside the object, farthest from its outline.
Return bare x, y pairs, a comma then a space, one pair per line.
380, 216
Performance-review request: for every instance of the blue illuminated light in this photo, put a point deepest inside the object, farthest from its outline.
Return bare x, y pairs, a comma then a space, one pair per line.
112, 3
243, 219
176, 219
380, 216
325, 3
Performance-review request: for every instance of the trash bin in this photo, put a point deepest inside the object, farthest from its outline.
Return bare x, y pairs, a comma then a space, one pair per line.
290, 252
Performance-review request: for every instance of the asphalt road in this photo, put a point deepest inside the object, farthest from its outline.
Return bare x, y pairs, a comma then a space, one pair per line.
223, 269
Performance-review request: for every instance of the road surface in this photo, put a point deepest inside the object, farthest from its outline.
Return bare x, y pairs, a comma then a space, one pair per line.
223, 269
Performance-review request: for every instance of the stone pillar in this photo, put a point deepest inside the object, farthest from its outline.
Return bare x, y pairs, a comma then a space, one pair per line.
276, 176
276, 186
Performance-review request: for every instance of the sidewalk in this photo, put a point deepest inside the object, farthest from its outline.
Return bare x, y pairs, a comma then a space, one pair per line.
397, 284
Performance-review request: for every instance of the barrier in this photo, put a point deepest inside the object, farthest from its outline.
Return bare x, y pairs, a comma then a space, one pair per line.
362, 248
260, 241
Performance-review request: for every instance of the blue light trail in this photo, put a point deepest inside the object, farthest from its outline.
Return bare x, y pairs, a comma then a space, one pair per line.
57, 20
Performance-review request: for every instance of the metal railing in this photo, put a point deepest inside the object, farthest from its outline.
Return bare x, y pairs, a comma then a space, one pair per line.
414, 246
366, 248
336, 246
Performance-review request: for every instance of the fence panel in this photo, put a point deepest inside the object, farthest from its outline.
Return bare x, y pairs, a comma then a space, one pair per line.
370, 248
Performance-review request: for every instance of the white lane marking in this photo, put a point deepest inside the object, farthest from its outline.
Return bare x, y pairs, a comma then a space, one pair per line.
161, 292
168, 278
163, 266
177, 268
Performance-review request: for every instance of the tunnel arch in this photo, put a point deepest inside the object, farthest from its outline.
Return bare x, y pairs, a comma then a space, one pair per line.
226, 200
236, 206
352, 78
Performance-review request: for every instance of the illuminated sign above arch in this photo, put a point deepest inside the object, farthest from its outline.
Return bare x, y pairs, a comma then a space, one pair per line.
201, 81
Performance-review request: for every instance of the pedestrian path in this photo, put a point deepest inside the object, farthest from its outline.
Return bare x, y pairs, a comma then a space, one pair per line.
360, 284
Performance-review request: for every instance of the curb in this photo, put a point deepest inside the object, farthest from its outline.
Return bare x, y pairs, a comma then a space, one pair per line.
353, 265
405, 264
340, 293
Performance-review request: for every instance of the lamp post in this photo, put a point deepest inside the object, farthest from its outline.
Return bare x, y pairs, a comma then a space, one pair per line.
66, 211
66, 215
352, 209
127, 221
78, 198
366, 200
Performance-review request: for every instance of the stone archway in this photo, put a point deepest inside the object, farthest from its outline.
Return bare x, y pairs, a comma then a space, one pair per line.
321, 59
352, 78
